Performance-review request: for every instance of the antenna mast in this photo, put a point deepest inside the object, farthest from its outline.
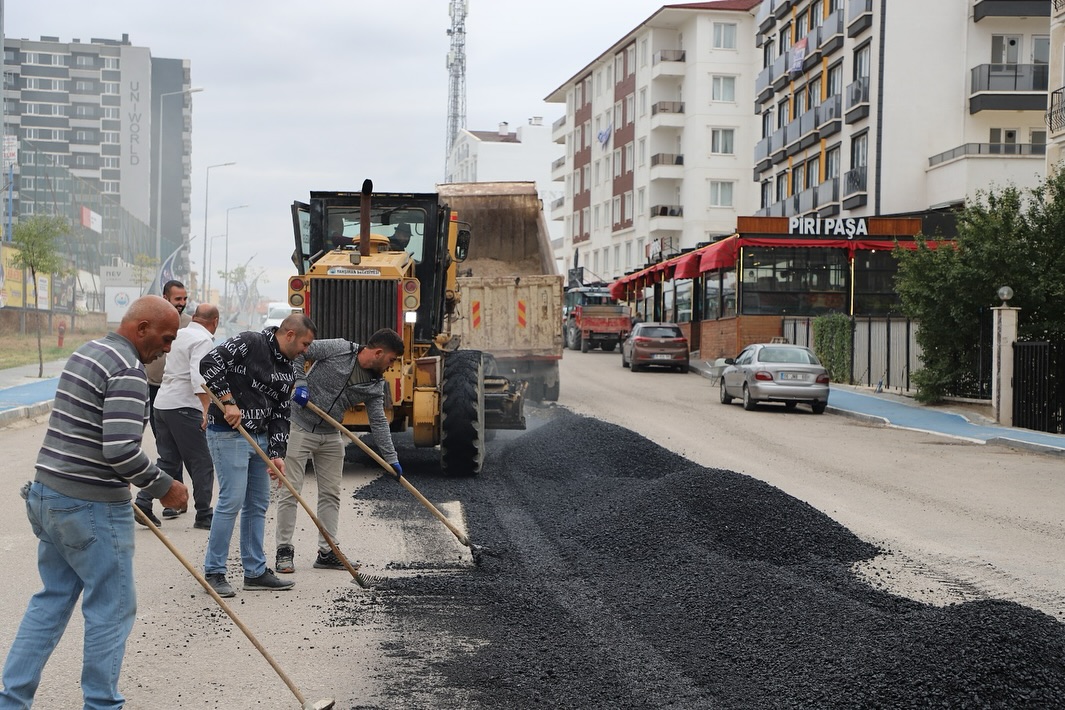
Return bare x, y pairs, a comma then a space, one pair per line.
456, 67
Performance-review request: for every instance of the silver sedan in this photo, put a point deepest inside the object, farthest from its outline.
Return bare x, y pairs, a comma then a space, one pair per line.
775, 372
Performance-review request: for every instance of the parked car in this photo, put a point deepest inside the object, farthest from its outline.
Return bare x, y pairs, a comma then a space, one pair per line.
660, 344
775, 372
276, 312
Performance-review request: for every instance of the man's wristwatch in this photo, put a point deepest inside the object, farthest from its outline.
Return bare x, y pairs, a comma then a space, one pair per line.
227, 402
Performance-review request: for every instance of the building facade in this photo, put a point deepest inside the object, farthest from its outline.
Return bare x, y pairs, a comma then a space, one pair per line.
658, 137
1055, 118
96, 109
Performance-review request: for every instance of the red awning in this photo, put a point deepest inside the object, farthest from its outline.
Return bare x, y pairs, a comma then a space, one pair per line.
687, 266
718, 254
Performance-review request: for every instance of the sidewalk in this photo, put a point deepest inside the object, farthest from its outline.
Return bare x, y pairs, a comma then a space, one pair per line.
904, 413
24, 395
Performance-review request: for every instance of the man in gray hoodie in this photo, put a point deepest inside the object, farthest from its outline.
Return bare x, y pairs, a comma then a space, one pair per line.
342, 375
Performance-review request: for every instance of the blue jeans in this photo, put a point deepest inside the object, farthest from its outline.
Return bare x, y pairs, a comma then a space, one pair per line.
244, 489
86, 550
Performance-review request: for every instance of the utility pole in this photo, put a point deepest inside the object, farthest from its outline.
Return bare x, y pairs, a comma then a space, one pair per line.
456, 66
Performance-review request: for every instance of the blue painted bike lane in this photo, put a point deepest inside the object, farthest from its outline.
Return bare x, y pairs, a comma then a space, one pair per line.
921, 418
28, 394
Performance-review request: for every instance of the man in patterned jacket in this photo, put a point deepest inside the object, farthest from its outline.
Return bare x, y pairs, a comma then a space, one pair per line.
252, 375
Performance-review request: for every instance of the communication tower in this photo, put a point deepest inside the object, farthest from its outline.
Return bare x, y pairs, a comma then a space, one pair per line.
456, 67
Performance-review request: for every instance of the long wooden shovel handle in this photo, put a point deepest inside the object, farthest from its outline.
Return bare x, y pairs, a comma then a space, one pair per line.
403, 481
295, 494
144, 520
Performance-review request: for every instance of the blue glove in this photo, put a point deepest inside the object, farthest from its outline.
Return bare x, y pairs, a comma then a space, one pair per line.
397, 468
300, 396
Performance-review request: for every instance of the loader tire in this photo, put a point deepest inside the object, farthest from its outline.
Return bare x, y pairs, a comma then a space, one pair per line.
462, 439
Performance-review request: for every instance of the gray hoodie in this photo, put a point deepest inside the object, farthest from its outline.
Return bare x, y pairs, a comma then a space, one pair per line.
327, 383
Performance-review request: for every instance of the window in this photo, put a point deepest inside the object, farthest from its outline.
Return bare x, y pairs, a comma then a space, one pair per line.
630, 109
617, 163
724, 88
832, 163
84, 111
628, 255
644, 52
616, 212
1040, 49
784, 39
767, 123
597, 173
874, 282
860, 151
799, 102
84, 60
783, 112
110, 62
109, 162
643, 102
813, 90
817, 13
768, 53
724, 35
835, 80
794, 280
585, 174
721, 141
861, 62
802, 25
619, 66
721, 193
109, 137
767, 194
1038, 137
782, 187
109, 87
642, 150
628, 207
630, 59
83, 136
584, 220
798, 178
641, 201
1005, 49
595, 217
619, 120
112, 186
813, 172
628, 157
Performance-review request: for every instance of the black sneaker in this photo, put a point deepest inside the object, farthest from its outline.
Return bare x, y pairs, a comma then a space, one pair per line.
285, 553
147, 510
173, 512
328, 560
266, 582
203, 523
220, 585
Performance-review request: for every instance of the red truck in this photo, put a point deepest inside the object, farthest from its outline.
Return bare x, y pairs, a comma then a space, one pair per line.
594, 319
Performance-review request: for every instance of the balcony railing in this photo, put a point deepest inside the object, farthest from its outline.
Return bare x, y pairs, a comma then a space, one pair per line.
557, 203
667, 211
858, 93
859, 8
667, 107
830, 110
1010, 77
558, 124
832, 27
556, 164
668, 55
806, 201
828, 191
762, 149
854, 181
667, 159
990, 149
1055, 117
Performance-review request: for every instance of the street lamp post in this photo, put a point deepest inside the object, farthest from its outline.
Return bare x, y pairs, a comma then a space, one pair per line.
209, 266
225, 299
206, 196
159, 176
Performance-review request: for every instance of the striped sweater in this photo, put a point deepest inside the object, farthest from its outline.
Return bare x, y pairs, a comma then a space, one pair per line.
92, 449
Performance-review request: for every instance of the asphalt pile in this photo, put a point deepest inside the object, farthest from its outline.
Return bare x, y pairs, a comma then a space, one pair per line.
629, 577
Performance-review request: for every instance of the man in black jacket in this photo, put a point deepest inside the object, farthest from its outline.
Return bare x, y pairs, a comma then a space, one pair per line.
252, 375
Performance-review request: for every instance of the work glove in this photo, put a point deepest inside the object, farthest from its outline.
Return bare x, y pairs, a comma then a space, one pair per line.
397, 468
300, 396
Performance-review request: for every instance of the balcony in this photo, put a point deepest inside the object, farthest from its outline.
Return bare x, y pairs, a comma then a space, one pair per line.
828, 198
806, 201
994, 150
781, 8
667, 218
813, 49
1008, 87
779, 152
860, 17
667, 166
802, 132
765, 19
763, 85
557, 206
858, 100
558, 130
1055, 117
781, 77
829, 115
668, 114
668, 62
832, 32
558, 169
777, 209
762, 162
1012, 8
854, 188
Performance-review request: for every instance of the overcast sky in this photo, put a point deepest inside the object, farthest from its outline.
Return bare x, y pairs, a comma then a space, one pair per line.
321, 94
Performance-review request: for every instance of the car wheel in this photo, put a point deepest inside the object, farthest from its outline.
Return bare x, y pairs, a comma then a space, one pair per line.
749, 403
624, 362
819, 407
726, 398
790, 405
683, 369
586, 345
633, 367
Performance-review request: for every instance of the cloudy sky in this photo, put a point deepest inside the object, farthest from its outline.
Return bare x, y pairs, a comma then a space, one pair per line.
321, 94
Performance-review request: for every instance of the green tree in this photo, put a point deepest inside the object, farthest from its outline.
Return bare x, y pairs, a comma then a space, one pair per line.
1006, 237
37, 240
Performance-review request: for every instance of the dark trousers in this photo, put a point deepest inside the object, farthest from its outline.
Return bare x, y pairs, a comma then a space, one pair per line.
180, 441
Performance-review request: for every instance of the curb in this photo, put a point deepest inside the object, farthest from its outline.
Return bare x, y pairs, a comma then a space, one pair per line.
1026, 446
28, 411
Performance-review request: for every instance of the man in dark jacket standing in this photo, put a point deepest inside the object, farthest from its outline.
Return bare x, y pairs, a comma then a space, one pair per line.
342, 375
79, 506
252, 375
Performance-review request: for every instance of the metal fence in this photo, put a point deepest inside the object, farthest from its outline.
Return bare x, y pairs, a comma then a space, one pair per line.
1039, 386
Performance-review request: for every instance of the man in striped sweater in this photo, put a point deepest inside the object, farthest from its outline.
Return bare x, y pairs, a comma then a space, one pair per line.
79, 506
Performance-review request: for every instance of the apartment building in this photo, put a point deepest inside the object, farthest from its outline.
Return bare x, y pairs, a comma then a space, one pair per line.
870, 107
96, 109
1055, 118
658, 136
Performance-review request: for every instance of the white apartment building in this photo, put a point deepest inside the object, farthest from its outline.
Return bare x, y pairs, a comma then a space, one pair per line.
659, 135
504, 155
873, 108
1055, 118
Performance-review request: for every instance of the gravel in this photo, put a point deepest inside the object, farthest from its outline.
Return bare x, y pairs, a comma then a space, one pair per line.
629, 577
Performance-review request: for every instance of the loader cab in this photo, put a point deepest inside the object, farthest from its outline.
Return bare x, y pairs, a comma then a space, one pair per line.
586, 296
399, 222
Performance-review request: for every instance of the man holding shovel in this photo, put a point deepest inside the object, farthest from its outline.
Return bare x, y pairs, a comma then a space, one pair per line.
252, 375
342, 375
79, 506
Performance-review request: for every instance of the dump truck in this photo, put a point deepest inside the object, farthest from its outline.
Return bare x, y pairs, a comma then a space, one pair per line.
511, 305
593, 318
366, 261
